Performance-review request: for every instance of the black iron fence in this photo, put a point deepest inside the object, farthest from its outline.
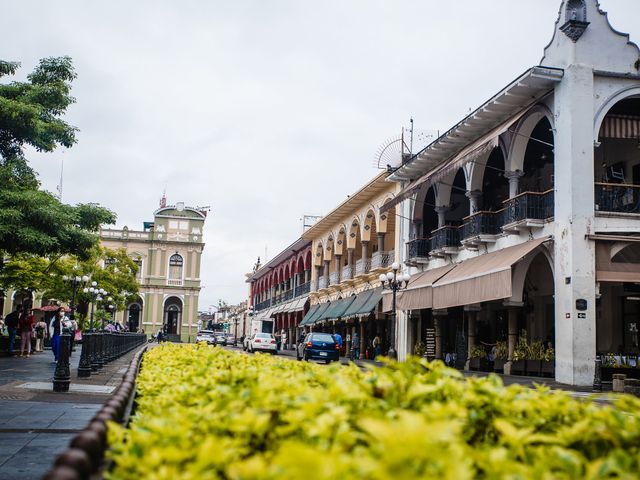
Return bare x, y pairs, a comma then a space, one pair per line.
447, 236
418, 248
482, 223
100, 348
528, 205
617, 197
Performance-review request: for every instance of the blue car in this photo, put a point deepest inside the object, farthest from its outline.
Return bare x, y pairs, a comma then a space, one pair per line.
319, 346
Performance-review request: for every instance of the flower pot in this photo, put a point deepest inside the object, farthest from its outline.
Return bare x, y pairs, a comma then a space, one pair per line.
474, 364
486, 365
547, 368
533, 368
498, 365
517, 367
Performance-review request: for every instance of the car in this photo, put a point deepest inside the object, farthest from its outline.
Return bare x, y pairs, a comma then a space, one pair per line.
220, 339
264, 342
231, 339
205, 336
319, 346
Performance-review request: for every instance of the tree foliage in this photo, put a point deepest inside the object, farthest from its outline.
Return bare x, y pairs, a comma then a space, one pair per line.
32, 220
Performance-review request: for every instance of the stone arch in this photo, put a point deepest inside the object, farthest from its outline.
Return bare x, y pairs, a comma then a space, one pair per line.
318, 255
609, 103
368, 225
521, 269
341, 240
354, 233
307, 260
522, 133
487, 177
576, 10
329, 248
172, 319
134, 314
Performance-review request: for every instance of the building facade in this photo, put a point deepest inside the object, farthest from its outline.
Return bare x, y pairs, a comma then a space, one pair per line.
168, 252
522, 222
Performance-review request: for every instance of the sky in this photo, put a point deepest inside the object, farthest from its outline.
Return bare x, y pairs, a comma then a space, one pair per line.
264, 110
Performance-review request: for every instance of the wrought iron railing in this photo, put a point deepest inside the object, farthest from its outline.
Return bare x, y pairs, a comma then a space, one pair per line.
347, 272
617, 197
334, 278
302, 289
418, 248
363, 266
528, 205
447, 236
382, 259
482, 223
288, 295
262, 305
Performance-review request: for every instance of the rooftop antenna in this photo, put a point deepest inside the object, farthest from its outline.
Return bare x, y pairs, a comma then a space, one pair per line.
59, 187
394, 152
309, 221
163, 199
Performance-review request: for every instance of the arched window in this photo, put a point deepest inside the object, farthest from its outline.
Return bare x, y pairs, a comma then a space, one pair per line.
175, 269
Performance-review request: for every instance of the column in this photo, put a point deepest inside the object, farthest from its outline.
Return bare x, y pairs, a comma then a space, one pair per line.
438, 335
365, 250
471, 336
514, 181
362, 341
325, 272
350, 261
338, 267
441, 211
475, 201
381, 242
512, 315
307, 276
318, 275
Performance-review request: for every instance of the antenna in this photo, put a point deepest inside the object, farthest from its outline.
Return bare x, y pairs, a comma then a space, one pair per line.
59, 188
394, 151
309, 221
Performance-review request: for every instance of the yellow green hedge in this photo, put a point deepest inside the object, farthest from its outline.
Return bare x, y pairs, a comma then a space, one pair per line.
206, 413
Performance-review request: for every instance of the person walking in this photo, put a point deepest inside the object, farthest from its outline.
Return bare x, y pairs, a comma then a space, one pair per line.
355, 346
26, 328
11, 321
377, 346
40, 332
338, 338
55, 327
278, 341
284, 340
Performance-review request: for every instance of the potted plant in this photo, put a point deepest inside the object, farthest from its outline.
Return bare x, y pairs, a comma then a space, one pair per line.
548, 362
520, 354
502, 353
535, 357
475, 355
420, 350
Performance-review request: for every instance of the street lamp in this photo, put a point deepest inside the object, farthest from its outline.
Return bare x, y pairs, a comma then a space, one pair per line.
94, 293
75, 282
394, 281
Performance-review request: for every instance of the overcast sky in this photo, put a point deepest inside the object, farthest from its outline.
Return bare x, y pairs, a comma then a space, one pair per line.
264, 110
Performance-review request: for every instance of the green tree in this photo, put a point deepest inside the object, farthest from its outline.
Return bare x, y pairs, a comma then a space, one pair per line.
32, 220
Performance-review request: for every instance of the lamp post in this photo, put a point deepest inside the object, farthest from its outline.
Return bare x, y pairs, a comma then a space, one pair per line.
394, 281
94, 293
75, 282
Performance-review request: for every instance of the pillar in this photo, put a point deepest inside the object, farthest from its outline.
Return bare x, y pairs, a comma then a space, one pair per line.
442, 211
362, 341
350, 261
514, 182
512, 316
438, 337
381, 242
307, 276
475, 201
325, 272
365, 250
471, 335
339, 267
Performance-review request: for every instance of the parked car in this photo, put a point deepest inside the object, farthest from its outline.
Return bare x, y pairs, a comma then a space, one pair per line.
205, 336
220, 339
319, 346
231, 339
264, 342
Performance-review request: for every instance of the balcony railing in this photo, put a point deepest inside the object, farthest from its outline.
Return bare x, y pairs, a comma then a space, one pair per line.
334, 278
447, 236
363, 266
617, 198
302, 289
174, 282
528, 205
418, 248
322, 282
288, 295
347, 272
382, 259
482, 223
262, 305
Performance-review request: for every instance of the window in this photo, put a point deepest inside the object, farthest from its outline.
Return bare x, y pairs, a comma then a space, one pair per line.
138, 262
184, 225
175, 269
173, 224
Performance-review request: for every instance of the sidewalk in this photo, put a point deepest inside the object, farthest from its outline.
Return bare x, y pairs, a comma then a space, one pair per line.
36, 424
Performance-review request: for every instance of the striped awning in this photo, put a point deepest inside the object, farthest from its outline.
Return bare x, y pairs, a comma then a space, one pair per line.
620, 126
310, 314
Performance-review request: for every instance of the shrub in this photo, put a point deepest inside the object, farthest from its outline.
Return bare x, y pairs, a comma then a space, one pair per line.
536, 351
502, 350
420, 349
477, 351
206, 413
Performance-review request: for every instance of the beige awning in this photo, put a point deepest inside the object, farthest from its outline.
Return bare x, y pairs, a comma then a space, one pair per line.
617, 267
481, 279
419, 294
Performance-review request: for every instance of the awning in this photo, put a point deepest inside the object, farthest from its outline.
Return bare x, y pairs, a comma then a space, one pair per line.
364, 303
617, 262
483, 146
337, 309
298, 305
620, 126
481, 279
321, 309
310, 314
419, 293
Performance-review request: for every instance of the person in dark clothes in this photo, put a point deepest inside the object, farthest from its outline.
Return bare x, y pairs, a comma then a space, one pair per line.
11, 321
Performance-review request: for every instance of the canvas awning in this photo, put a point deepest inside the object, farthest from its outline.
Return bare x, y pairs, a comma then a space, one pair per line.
298, 304
419, 293
617, 262
337, 308
364, 303
321, 309
310, 314
621, 126
483, 278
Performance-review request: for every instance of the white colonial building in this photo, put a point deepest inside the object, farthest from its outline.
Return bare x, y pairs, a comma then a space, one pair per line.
523, 220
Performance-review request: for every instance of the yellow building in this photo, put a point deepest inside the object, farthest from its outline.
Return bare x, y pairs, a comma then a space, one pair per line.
351, 246
168, 252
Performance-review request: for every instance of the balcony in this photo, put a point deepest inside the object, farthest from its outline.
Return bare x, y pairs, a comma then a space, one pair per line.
363, 266
418, 251
334, 278
347, 273
382, 259
617, 198
174, 282
302, 289
481, 228
528, 210
445, 241
288, 295
322, 283
263, 305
